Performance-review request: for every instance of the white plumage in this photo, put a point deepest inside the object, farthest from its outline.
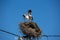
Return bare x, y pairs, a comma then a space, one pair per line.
28, 17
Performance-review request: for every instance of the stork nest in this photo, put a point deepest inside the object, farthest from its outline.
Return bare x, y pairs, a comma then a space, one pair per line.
30, 28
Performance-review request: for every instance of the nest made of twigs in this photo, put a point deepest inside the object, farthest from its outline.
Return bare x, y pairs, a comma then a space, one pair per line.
30, 29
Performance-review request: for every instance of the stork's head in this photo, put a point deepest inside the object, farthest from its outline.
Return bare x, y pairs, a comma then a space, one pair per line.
29, 11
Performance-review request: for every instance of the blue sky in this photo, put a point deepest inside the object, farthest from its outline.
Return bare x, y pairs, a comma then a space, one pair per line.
46, 14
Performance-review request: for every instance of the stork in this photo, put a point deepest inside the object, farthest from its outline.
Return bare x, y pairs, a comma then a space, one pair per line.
28, 16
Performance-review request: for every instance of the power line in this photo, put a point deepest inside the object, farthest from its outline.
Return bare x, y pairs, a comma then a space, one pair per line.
19, 36
8, 32
47, 36
50, 35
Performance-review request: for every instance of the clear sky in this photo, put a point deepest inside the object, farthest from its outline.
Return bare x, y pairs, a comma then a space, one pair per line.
46, 14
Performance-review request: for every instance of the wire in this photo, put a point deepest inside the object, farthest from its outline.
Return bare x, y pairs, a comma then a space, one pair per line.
8, 32
51, 35
19, 36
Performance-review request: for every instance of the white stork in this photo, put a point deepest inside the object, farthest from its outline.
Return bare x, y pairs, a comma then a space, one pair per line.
28, 16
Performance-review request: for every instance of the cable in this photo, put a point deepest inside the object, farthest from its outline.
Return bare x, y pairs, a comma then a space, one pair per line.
19, 36
45, 36
51, 35
9, 32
